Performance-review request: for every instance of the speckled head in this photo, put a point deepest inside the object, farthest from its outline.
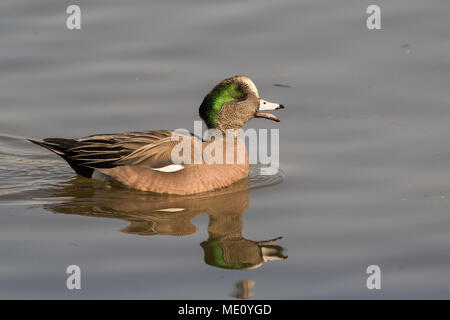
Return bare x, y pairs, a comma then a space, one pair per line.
233, 102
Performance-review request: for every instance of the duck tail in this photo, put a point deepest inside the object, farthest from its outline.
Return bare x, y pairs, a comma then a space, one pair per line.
56, 145
61, 147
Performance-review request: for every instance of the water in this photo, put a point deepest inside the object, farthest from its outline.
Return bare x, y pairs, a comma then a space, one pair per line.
364, 149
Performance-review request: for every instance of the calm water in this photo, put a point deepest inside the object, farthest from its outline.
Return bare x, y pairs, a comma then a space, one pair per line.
365, 149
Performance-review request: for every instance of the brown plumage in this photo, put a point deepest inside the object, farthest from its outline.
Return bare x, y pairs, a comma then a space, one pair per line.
143, 160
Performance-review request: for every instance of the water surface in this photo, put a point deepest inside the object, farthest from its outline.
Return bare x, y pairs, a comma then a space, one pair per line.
364, 149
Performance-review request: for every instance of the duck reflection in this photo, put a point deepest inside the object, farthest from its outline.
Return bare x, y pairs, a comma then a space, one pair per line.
244, 289
151, 214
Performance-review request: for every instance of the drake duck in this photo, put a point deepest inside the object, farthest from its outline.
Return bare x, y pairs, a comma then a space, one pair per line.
144, 161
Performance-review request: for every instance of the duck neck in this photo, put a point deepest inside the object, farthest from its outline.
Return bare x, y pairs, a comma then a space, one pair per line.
228, 132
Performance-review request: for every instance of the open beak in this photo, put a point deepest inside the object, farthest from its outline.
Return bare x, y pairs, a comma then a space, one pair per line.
266, 105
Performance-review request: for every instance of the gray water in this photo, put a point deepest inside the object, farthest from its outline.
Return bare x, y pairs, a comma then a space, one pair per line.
365, 147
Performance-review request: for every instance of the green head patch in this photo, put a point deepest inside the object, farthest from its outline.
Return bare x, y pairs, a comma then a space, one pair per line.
214, 255
221, 94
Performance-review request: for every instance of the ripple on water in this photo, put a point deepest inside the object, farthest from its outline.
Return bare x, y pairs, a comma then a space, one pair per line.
258, 180
24, 168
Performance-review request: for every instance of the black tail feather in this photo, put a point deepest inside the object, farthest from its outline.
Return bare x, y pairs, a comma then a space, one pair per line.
60, 147
57, 145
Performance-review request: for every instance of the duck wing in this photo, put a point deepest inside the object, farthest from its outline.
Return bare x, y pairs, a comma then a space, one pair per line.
102, 151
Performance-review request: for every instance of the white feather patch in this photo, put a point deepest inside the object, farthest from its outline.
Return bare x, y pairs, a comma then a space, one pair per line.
170, 168
171, 210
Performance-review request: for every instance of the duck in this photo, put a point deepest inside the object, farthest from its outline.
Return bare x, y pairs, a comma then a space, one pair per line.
145, 160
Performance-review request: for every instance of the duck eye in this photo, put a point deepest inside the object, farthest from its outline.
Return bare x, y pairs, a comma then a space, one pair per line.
264, 102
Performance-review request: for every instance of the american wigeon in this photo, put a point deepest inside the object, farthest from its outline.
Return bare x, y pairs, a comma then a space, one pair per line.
143, 160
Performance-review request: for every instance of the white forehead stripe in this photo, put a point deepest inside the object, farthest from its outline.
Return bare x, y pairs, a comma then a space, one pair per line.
251, 85
266, 105
170, 168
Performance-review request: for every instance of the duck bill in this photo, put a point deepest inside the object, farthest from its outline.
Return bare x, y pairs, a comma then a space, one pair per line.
265, 106
272, 253
266, 116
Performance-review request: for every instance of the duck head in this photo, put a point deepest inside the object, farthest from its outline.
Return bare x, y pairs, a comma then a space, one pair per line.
233, 102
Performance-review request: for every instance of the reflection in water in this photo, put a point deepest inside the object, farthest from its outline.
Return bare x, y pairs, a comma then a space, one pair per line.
244, 289
152, 214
